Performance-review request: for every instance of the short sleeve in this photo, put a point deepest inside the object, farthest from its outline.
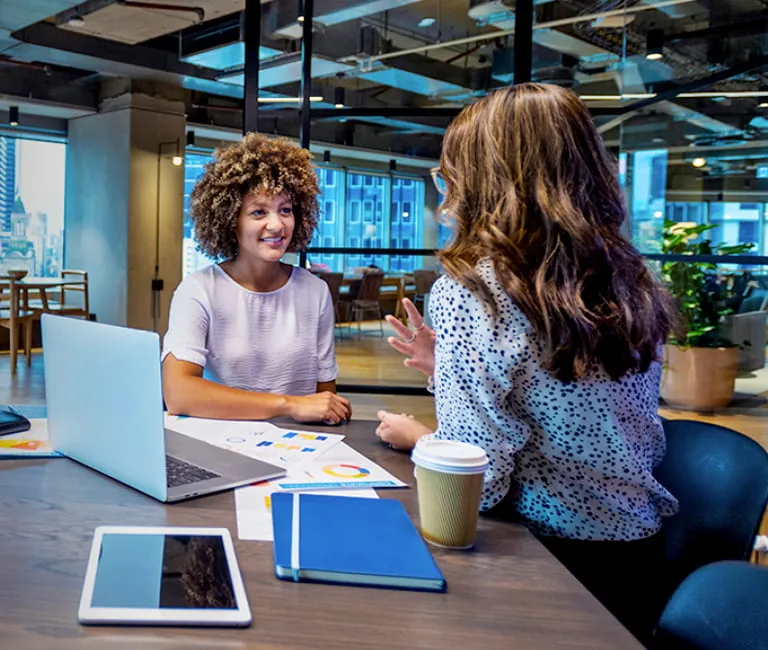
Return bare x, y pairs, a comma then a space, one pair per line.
188, 324
327, 369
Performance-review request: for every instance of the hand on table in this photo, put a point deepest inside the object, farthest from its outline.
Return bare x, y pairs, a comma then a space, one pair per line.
400, 431
325, 407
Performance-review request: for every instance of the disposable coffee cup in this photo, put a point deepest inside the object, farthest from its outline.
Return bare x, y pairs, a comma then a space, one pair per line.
449, 481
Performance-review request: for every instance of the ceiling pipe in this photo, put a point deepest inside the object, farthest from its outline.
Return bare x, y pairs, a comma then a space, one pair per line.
584, 18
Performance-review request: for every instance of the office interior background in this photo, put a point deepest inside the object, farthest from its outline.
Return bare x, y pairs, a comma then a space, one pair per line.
110, 110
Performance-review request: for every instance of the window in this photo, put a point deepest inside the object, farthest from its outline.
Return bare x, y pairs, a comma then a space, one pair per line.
355, 211
737, 223
328, 212
407, 217
330, 229
32, 215
370, 192
647, 176
193, 260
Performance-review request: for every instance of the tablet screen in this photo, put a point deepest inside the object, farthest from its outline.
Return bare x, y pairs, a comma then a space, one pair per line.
158, 571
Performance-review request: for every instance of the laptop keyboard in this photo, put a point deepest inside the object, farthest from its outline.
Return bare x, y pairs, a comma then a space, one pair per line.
180, 472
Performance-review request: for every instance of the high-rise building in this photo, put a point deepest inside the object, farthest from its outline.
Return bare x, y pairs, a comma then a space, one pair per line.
7, 183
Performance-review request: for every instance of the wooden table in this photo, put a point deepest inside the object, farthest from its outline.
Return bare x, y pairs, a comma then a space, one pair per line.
508, 593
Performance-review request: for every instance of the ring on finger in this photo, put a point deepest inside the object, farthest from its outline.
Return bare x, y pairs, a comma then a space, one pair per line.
421, 327
411, 338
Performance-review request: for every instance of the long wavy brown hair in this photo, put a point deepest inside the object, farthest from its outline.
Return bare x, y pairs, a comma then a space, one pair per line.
532, 188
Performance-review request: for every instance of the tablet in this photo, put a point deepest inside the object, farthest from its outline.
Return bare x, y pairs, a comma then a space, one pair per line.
163, 576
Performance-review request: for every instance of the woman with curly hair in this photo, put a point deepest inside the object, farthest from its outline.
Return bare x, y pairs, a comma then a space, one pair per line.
251, 338
546, 346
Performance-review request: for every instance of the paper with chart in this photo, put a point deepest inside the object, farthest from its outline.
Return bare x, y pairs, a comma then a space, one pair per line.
340, 467
253, 505
260, 440
32, 443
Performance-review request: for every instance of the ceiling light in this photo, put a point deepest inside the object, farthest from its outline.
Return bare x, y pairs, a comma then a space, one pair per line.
76, 21
710, 94
13, 116
654, 45
300, 19
427, 22
177, 161
338, 97
699, 162
763, 105
287, 100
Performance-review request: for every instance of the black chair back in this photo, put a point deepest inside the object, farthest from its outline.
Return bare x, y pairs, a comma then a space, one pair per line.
370, 287
719, 607
334, 282
720, 478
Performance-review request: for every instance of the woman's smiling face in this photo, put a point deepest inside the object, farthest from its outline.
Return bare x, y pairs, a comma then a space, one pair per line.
265, 226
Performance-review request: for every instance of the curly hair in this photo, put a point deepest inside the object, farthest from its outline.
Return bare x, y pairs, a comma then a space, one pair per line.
255, 164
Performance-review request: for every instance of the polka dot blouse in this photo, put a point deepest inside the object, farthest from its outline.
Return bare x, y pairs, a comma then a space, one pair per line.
577, 455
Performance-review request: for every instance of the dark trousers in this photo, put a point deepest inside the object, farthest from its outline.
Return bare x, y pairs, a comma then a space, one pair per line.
626, 577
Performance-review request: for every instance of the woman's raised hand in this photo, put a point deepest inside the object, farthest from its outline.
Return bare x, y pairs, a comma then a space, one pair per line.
418, 344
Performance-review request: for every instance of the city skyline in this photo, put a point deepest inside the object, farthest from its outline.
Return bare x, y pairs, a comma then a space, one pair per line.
31, 212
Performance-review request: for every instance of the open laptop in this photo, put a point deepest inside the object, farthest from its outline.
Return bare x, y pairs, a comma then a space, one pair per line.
105, 410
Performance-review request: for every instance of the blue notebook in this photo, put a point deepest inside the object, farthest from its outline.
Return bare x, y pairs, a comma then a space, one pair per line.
350, 540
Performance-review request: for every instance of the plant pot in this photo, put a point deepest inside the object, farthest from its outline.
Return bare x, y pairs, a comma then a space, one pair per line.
699, 379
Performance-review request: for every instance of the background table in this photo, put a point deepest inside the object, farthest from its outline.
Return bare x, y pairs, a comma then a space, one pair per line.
508, 593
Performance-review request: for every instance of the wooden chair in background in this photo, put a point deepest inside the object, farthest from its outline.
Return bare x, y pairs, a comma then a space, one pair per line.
424, 279
12, 317
366, 299
72, 298
334, 282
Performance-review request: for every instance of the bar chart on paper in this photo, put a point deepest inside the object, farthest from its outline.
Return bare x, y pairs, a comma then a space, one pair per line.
261, 440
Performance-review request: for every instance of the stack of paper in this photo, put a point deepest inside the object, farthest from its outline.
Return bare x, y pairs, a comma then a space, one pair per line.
316, 462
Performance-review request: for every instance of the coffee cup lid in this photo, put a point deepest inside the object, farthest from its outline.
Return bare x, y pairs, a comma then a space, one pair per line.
450, 456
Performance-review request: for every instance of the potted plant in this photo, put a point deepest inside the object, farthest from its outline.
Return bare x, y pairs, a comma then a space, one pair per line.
700, 363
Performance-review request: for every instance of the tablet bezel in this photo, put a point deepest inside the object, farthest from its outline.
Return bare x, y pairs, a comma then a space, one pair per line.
166, 616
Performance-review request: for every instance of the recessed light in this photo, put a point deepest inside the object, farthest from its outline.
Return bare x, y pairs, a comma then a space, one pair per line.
763, 105
657, 214
654, 56
76, 21
427, 22
699, 162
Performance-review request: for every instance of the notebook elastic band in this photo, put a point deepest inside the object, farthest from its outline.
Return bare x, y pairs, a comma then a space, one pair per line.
295, 538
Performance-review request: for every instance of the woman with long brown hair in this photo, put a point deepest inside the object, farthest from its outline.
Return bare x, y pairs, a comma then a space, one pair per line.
546, 345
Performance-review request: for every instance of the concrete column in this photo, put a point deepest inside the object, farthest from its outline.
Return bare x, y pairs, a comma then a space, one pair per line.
111, 209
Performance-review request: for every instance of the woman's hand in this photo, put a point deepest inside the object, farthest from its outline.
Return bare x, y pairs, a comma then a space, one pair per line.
326, 407
417, 344
400, 431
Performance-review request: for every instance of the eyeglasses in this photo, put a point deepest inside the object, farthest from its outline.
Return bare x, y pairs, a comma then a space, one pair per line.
439, 180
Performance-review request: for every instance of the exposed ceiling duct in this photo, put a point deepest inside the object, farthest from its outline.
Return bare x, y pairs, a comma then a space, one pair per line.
327, 13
